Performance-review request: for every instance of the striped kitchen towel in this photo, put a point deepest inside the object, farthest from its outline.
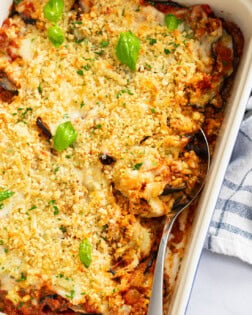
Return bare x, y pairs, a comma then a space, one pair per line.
230, 231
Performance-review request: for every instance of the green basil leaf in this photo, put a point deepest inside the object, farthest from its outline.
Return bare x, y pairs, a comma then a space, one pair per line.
85, 252
53, 10
5, 194
65, 136
172, 22
127, 49
56, 35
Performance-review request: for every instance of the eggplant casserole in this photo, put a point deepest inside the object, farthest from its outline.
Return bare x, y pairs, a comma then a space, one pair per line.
100, 103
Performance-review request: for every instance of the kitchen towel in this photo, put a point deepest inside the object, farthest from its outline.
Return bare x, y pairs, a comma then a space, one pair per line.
230, 231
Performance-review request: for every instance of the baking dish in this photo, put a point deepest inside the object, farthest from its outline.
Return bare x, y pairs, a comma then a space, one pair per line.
210, 209
240, 12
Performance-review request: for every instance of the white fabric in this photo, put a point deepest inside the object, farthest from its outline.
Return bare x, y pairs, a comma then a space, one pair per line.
230, 231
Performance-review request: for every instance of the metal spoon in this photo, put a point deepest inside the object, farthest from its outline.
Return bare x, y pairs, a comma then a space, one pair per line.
156, 300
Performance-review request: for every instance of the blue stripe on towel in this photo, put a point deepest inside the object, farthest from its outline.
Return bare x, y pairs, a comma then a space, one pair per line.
231, 228
233, 186
236, 207
234, 192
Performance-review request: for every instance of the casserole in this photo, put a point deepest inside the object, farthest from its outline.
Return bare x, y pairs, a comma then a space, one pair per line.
39, 123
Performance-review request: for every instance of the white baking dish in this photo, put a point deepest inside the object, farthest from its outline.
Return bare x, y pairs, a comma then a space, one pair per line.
240, 12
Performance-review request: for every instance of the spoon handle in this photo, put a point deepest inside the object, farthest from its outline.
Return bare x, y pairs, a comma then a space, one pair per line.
156, 300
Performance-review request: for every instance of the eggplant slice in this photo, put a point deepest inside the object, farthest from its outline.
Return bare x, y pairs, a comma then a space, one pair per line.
167, 2
7, 88
43, 127
83, 5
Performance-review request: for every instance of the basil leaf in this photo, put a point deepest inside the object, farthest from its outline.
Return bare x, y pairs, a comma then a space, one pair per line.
5, 194
172, 22
65, 136
85, 252
127, 49
56, 35
53, 10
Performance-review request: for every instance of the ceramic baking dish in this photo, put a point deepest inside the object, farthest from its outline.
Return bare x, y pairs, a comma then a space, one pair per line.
240, 12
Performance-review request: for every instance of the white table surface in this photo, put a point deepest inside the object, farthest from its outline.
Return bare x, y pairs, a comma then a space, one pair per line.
223, 286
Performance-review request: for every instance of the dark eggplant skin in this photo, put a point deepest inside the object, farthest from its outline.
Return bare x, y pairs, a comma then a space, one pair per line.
144, 139
7, 84
170, 190
106, 159
194, 144
49, 296
26, 19
150, 261
43, 128
166, 2
83, 5
112, 271
7, 88
179, 203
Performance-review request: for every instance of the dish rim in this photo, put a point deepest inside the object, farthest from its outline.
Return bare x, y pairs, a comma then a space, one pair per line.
241, 14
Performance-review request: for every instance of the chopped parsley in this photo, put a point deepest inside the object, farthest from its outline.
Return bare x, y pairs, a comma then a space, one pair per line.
80, 72
40, 89
137, 166
152, 41
5, 194
86, 67
98, 126
79, 41
56, 169
104, 43
167, 51
55, 208
123, 92
71, 295
63, 229
32, 208
147, 66
100, 52
22, 277
76, 22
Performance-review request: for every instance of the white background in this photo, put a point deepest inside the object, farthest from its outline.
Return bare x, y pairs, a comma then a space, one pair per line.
223, 286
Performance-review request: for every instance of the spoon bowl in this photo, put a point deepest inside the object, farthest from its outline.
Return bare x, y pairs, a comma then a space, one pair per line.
200, 145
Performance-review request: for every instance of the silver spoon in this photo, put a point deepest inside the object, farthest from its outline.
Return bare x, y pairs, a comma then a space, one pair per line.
156, 300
